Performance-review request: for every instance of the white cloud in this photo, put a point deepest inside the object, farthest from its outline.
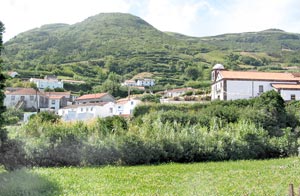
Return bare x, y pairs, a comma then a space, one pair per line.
19, 15
179, 16
255, 15
190, 17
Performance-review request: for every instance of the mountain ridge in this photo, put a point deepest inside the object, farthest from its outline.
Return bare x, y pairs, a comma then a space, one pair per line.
127, 45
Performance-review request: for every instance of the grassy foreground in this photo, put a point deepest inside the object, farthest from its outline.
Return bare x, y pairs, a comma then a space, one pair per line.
268, 177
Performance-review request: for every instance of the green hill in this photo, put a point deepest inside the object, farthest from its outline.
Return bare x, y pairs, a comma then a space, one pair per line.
127, 45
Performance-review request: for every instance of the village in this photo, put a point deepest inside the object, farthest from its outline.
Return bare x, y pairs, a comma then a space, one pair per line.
226, 85
88, 106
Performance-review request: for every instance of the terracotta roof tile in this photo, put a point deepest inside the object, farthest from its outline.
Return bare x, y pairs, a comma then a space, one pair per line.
287, 86
56, 96
92, 96
243, 75
66, 94
25, 91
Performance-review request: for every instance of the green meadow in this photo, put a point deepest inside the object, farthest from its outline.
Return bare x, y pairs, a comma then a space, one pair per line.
264, 177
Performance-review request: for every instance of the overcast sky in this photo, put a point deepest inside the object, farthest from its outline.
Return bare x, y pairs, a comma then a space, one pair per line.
189, 17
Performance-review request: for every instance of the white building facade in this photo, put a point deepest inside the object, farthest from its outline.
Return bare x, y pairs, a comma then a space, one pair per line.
125, 107
47, 83
232, 85
145, 82
26, 98
83, 112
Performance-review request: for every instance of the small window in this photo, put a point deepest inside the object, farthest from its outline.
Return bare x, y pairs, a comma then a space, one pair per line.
13, 97
31, 97
91, 108
260, 88
52, 101
81, 109
110, 110
131, 102
87, 109
293, 97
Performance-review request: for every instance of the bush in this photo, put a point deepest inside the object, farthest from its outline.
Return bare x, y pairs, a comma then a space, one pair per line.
12, 155
160, 133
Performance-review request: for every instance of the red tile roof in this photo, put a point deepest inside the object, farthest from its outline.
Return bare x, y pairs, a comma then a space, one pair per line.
247, 75
287, 86
56, 96
92, 96
66, 94
122, 101
25, 91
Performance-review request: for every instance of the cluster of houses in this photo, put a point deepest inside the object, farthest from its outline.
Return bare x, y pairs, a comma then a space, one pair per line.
225, 85
68, 106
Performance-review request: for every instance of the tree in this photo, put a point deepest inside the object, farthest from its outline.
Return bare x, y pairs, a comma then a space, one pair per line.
192, 72
112, 84
270, 110
12, 155
3, 133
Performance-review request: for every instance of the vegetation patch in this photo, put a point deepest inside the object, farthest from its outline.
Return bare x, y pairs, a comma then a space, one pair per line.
267, 177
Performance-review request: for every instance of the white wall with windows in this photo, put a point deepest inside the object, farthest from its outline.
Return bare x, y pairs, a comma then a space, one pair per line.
242, 89
126, 107
289, 95
44, 83
86, 111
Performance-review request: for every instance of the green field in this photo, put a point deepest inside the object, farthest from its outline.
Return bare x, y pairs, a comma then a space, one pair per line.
268, 177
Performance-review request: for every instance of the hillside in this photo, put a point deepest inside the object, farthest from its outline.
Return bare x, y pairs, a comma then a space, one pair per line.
127, 45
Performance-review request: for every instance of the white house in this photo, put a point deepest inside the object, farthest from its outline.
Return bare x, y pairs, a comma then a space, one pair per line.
288, 91
67, 94
26, 98
124, 107
145, 82
56, 102
232, 85
129, 83
12, 74
82, 112
47, 82
94, 98
177, 92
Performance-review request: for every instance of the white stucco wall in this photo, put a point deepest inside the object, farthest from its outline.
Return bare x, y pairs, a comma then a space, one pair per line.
286, 94
86, 112
127, 108
237, 89
29, 99
42, 84
217, 90
243, 89
55, 105
145, 82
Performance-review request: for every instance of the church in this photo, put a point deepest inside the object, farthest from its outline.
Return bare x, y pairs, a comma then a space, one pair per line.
232, 85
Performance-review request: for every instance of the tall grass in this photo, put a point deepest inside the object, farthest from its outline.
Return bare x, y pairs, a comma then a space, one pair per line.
267, 177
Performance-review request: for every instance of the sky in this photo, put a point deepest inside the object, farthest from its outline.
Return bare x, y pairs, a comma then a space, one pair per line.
190, 17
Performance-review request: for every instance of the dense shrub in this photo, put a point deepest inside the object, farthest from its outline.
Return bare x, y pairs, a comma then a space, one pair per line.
12, 155
217, 131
